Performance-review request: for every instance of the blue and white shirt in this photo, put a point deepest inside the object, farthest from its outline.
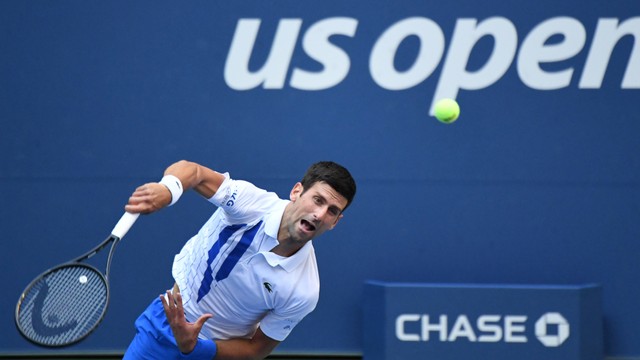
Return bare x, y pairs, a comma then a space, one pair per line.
227, 268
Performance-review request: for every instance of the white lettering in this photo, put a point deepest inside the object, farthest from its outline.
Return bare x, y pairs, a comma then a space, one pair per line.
381, 61
607, 35
534, 51
440, 327
273, 73
400, 330
462, 328
489, 326
465, 36
317, 45
514, 325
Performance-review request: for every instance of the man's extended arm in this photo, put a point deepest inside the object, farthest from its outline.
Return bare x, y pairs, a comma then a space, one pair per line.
154, 196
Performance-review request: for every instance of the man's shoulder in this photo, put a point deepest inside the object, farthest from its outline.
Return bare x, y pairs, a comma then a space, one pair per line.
242, 201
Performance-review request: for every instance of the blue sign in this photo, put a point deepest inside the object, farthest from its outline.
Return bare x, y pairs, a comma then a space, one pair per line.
451, 322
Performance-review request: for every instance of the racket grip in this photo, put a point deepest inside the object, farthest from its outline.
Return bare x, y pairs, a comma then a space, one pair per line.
124, 224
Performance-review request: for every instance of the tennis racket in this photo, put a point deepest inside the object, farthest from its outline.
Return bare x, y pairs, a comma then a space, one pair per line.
64, 304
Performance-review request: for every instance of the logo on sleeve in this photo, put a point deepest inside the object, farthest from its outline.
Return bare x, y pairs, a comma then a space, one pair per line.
231, 200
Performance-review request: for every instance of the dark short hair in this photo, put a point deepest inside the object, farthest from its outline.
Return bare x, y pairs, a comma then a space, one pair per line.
335, 175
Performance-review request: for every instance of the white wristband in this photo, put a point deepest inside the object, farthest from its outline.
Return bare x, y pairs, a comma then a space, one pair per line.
174, 185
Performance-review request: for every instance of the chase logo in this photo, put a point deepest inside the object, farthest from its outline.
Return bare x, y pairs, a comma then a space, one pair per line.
548, 321
551, 329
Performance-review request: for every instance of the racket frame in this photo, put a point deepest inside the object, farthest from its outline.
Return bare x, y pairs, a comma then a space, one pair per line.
118, 232
22, 331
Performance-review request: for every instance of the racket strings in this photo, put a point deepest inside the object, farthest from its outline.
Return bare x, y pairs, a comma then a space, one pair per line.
63, 306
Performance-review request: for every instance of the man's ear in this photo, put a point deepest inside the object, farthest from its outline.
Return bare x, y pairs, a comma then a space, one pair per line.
336, 223
296, 191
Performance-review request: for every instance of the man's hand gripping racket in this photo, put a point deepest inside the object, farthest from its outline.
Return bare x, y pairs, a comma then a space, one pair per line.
64, 304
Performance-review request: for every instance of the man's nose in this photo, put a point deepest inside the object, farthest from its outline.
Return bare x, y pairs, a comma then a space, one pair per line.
320, 213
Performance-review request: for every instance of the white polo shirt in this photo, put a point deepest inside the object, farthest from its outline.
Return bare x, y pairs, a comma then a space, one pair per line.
227, 269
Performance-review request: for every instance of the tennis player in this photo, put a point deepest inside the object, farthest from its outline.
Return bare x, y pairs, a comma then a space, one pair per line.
249, 276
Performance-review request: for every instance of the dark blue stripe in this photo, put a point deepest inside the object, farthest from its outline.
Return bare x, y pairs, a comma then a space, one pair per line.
237, 252
224, 236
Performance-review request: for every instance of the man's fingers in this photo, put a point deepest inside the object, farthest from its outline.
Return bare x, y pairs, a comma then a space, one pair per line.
179, 302
168, 302
137, 204
135, 209
172, 304
170, 299
148, 198
165, 305
202, 319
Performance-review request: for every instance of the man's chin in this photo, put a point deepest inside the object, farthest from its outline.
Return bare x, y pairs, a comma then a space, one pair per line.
305, 235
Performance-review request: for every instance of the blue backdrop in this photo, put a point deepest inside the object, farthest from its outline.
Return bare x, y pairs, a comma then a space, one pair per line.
536, 183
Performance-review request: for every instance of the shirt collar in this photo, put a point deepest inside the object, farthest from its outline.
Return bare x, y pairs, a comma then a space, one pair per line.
271, 227
273, 219
292, 262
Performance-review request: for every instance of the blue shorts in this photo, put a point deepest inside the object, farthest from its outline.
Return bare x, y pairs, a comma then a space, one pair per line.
154, 339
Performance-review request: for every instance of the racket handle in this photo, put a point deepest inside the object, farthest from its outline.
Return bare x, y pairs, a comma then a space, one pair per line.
125, 223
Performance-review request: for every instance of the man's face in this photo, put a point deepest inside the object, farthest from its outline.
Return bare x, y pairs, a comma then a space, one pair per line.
314, 211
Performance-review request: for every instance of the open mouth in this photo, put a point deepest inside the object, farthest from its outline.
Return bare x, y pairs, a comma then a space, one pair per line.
307, 226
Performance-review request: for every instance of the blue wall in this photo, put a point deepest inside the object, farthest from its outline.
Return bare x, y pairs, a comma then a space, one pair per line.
536, 183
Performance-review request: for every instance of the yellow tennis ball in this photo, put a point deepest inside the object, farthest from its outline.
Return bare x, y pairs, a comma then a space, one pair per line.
447, 111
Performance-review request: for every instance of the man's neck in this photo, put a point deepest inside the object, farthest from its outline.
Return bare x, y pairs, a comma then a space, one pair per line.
285, 249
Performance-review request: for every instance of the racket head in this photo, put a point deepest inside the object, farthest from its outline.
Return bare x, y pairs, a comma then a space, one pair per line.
63, 305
